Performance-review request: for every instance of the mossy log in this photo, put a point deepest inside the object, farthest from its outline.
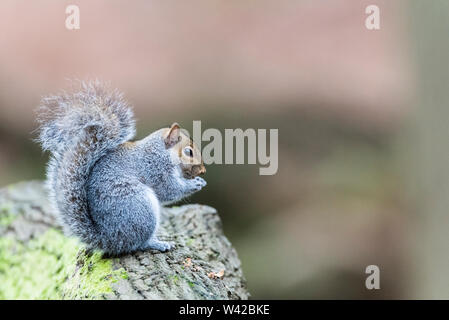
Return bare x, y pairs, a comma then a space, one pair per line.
38, 262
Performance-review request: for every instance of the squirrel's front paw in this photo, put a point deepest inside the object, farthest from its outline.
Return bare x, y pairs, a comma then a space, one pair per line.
198, 183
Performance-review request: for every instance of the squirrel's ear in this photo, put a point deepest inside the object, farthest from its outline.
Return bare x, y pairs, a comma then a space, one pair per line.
173, 135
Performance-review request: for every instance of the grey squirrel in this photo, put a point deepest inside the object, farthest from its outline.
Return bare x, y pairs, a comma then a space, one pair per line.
107, 190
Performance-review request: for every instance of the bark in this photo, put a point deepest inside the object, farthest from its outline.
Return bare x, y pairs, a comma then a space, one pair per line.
38, 262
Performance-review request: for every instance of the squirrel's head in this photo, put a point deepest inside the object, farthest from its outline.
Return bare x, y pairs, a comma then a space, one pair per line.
184, 150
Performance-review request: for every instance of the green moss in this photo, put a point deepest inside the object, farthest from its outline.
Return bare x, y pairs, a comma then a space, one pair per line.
53, 267
35, 270
190, 242
124, 274
175, 279
6, 218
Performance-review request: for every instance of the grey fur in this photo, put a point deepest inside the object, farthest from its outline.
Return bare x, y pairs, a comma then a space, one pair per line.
107, 192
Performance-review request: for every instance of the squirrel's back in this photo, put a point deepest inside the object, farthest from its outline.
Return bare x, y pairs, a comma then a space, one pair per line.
79, 128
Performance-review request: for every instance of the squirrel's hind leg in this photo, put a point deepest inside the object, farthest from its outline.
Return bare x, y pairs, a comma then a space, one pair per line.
153, 242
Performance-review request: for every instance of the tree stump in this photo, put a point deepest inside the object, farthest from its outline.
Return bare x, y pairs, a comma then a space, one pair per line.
38, 262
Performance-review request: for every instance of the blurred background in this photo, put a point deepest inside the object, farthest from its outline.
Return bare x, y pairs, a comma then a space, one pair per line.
361, 115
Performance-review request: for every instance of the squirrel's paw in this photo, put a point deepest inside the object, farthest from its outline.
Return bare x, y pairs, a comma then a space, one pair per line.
199, 183
161, 246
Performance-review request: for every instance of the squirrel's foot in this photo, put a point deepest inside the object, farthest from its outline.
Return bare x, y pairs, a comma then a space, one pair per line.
161, 246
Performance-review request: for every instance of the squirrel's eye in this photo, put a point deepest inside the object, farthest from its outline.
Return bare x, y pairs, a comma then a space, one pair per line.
188, 152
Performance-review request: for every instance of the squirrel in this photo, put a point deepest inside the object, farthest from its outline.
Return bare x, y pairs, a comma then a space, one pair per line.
107, 189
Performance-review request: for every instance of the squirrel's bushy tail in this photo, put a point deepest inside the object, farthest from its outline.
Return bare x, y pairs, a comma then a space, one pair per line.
78, 129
